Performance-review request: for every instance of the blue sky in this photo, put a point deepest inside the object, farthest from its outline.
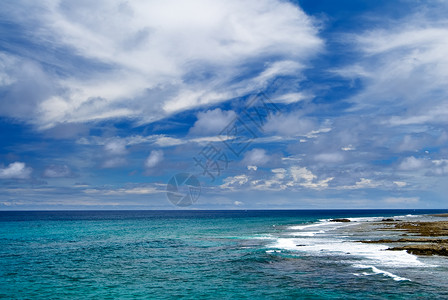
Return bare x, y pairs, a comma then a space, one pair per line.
103, 102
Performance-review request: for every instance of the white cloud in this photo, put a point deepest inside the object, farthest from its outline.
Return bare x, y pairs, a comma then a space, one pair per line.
297, 178
348, 148
157, 58
212, 122
292, 98
16, 170
314, 133
333, 157
167, 141
231, 182
6, 61
437, 114
412, 163
363, 183
292, 124
238, 203
306, 178
154, 158
400, 183
115, 150
403, 68
146, 190
281, 179
257, 157
115, 147
279, 173
409, 144
440, 167
24, 85
366, 183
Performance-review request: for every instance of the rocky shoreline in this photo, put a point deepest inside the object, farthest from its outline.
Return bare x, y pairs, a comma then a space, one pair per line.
422, 238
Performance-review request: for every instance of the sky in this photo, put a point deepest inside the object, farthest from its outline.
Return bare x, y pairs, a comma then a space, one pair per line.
257, 104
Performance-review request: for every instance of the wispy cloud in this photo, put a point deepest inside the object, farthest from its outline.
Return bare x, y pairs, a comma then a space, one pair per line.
58, 171
153, 59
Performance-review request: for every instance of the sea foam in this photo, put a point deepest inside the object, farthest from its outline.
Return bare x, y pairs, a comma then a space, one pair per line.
375, 270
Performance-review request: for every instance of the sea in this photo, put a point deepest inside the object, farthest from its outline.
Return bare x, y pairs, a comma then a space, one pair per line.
253, 254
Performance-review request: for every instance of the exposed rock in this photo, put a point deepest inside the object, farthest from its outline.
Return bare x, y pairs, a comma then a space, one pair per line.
387, 220
425, 228
426, 244
339, 220
407, 240
424, 249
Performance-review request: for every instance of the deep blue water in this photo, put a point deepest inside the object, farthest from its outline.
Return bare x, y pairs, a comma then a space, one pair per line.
204, 254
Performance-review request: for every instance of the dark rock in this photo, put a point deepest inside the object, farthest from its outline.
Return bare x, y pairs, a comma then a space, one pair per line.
339, 220
387, 220
407, 240
426, 249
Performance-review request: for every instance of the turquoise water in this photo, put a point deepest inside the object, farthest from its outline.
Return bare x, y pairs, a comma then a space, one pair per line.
187, 254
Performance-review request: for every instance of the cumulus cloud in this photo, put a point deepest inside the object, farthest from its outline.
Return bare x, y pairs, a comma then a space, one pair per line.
115, 147
297, 178
280, 179
16, 170
154, 158
412, 163
146, 60
439, 167
115, 151
306, 178
365, 183
212, 122
256, 157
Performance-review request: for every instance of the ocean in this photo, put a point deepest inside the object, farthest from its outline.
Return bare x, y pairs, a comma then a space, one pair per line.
259, 254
